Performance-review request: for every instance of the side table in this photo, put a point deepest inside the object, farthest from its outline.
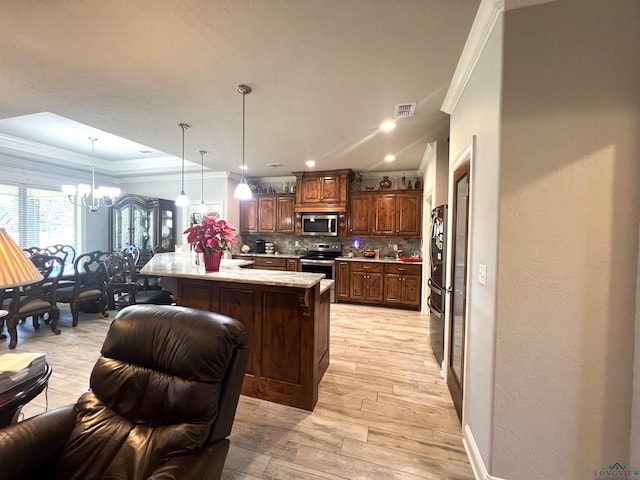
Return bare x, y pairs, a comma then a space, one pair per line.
12, 400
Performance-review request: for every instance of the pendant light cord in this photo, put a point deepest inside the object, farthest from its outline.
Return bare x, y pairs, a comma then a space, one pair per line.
243, 120
184, 127
202, 152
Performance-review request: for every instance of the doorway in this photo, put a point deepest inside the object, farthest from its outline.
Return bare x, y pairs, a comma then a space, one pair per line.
458, 289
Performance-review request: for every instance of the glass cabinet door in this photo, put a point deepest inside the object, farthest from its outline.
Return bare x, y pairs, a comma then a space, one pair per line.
166, 229
121, 225
141, 227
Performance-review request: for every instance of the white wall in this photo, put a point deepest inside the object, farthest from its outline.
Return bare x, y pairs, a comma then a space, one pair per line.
568, 241
478, 113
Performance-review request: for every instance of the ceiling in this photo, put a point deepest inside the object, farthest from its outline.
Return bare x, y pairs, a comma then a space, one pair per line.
324, 75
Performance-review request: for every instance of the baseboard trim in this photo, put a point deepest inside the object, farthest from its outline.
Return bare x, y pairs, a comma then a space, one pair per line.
477, 464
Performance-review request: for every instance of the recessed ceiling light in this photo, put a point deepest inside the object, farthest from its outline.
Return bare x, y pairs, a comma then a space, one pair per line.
389, 158
243, 167
387, 125
146, 151
310, 163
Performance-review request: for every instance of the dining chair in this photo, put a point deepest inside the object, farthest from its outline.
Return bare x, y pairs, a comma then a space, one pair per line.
90, 284
36, 299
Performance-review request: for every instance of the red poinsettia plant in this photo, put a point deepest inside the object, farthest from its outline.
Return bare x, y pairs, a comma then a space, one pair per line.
211, 235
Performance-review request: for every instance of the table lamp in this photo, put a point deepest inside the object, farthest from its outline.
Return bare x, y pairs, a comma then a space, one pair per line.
15, 267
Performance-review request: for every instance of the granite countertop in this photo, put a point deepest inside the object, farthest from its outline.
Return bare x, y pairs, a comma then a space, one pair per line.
376, 260
270, 255
181, 265
325, 285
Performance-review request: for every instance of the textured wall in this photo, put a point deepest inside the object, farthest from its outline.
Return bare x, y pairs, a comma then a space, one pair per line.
568, 241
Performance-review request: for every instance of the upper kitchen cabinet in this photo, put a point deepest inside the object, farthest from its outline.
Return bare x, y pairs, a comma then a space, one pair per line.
386, 213
144, 222
267, 213
325, 191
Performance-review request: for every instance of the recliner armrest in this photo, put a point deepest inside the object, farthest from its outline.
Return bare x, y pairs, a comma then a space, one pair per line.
207, 464
34, 445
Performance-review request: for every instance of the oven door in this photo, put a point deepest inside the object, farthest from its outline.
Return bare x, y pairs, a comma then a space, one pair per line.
328, 267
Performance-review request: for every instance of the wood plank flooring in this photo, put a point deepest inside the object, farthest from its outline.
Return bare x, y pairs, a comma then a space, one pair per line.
383, 411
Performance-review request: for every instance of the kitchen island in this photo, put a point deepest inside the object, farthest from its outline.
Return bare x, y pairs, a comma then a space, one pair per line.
286, 313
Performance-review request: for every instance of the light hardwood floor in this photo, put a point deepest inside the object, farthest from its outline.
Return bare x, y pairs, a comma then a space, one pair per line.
383, 411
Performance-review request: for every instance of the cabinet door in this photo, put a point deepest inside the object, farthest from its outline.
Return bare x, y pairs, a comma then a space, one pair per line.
360, 214
374, 287
285, 217
409, 214
392, 288
358, 287
141, 227
293, 265
330, 192
311, 189
342, 280
411, 290
267, 214
384, 214
166, 236
120, 225
249, 216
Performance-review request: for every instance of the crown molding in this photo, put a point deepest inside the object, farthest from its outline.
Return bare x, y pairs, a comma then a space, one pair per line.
429, 155
488, 14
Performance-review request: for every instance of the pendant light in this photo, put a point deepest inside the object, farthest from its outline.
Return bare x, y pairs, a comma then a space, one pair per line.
182, 200
243, 192
202, 208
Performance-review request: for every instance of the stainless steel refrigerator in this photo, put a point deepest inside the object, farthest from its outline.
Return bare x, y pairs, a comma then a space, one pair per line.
437, 289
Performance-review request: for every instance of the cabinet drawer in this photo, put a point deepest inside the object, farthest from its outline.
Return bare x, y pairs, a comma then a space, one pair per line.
367, 267
270, 263
403, 269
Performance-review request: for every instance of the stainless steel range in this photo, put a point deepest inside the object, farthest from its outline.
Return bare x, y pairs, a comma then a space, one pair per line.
321, 258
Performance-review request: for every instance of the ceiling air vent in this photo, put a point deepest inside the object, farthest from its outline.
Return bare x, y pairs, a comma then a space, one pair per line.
275, 165
405, 110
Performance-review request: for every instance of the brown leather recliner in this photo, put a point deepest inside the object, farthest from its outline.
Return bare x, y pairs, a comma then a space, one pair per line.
161, 406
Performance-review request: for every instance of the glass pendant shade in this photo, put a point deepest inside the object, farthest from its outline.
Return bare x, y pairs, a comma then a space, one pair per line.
242, 192
182, 200
202, 208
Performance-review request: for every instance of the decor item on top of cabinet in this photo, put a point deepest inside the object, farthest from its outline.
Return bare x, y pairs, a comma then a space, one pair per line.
211, 239
404, 181
418, 184
357, 182
385, 183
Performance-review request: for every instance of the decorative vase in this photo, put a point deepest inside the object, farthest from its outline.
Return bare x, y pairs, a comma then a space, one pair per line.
385, 183
212, 262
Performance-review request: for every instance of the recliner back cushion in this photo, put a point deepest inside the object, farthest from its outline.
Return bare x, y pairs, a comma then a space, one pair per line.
155, 392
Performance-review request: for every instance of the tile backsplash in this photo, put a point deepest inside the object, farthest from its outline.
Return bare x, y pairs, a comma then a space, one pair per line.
287, 243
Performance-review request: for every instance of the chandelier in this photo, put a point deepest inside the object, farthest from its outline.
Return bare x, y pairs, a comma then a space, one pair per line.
88, 195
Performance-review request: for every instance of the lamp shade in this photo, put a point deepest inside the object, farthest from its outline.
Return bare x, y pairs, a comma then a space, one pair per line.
15, 267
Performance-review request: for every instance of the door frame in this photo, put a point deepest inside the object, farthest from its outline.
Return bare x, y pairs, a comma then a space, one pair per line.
467, 153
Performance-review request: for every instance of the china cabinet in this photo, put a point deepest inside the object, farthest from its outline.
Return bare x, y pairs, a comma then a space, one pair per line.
144, 222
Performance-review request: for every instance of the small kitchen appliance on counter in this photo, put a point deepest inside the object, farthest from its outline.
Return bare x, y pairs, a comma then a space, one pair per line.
260, 246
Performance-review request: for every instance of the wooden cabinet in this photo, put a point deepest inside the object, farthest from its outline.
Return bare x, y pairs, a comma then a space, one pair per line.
249, 216
293, 265
325, 191
384, 213
402, 284
144, 222
267, 214
378, 283
270, 263
343, 275
366, 282
285, 215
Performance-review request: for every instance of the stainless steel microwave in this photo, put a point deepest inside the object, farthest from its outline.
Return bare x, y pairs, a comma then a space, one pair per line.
320, 224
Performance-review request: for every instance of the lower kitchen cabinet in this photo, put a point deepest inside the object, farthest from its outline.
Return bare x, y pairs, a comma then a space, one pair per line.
366, 282
273, 263
402, 284
379, 283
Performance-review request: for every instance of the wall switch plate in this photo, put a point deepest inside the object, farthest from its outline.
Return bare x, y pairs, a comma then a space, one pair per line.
482, 274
